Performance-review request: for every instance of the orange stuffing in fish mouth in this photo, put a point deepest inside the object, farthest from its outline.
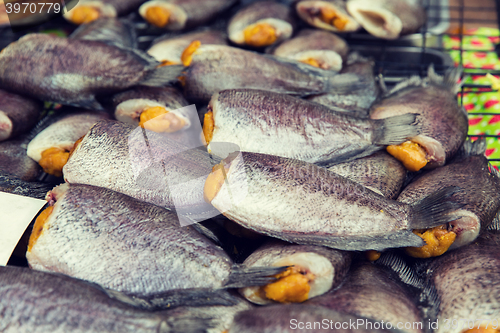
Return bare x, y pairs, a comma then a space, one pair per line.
187, 54
158, 16
53, 160
438, 240
292, 286
260, 34
85, 14
208, 126
372, 255
159, 120
39, 226
330, 16
214, 181
411, 154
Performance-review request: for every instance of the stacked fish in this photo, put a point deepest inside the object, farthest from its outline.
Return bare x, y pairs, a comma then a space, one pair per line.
308, 182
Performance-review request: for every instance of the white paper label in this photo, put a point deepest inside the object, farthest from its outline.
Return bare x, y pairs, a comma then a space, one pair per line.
16, 213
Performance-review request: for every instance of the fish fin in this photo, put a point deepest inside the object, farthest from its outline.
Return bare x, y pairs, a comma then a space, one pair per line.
356, 57
434, 209
172, 324
396, 130
185, 297
345, 83
495, 224
449, 80
242, 276
414, 81
406, 273
473, 148
381, 84
162, 76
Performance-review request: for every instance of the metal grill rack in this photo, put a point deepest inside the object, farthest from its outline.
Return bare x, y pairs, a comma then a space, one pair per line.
411, 55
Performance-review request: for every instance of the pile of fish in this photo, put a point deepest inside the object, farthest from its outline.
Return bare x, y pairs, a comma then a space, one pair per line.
257, 178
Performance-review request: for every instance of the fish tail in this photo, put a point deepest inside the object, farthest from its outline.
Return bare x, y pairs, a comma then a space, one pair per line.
242, 276
434, 209
162, 76
450, 80
473, 148
495, 224
345, 83
396, 130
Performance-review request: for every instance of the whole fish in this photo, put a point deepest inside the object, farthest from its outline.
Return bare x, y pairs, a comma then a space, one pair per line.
182, 14
18, 114
467, 286
327, 15
306, 204
78, 71
373, 292
277, 124
217, 67
379, 172
313, 271
444, 122
388, 19
168, 49
33, 301
301, 318
147, 166
260, 24
108, 30
87, 11
480, 199
83, 220
360, 100
51, 147
315, 47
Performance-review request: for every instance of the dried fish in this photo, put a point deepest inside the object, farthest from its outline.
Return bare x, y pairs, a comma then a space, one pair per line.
18, 114
327, 14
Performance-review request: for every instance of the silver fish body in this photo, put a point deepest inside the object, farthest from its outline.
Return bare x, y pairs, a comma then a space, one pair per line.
108, 30
388, 19
273, 15
380, 172
76, 71
303, 203
301, 318
480, 195
18, 114
325, 267
444, 123
170, 48
467, 286
278, 124
34, 301
217, 67
150, 167
327, 49
114, 228
372, 292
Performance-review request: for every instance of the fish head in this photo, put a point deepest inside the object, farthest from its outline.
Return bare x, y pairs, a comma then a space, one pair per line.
163, 14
